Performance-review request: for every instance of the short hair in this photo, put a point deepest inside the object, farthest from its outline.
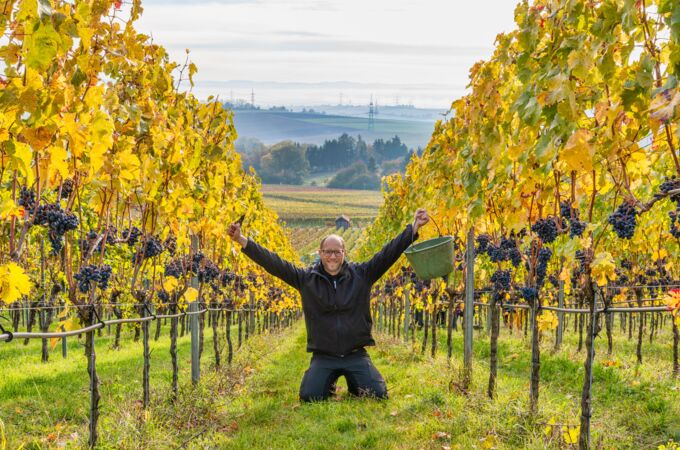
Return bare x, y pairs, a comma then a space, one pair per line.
342, 241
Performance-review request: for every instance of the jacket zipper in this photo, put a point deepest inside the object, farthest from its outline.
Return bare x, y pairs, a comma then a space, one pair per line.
337, 316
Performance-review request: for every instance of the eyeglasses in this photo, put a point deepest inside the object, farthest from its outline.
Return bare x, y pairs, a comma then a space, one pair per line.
332, 252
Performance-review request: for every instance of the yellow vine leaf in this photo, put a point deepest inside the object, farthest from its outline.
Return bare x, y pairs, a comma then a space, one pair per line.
190, 295
170, 284
570, 434
8, 208
672, 300
13, 283
547, 321
578, 152
603, 268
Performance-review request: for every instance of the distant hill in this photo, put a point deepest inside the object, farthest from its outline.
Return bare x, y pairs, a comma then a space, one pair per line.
413, 126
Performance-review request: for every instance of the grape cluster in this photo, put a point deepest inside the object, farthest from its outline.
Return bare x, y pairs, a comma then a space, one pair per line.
482, 243
239, 285
91, 275
57, 221
546, 229
576, 228
621, 278
111, 235
176, 268
544, 256
509, 245
671, 184
227, 277
582, 258
554, 280
567, 211
131, 236
496, 254
675, 222
507, 250
67, 188
152, 247
163, 296
570, 215
501, 280
26, 198
170, 244
528, 293
204, 268
623, 220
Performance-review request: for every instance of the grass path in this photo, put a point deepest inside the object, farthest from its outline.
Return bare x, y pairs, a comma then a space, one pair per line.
254, 403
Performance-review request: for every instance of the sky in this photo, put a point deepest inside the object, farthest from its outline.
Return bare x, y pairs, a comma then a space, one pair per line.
314, 52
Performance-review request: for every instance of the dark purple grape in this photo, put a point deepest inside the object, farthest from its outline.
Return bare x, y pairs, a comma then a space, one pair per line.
576, 228
131, 236
67, 188
567, 211
529, 293
27, 199
501, 280
482, 243
623, 220
546, 229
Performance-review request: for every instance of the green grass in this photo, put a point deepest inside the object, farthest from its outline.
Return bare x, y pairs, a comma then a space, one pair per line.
255, 403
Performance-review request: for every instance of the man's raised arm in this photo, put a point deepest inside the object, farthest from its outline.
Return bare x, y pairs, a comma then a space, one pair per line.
390, 253
270, 261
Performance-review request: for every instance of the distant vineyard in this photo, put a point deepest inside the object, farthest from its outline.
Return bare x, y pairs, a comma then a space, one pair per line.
306, 240
300, 205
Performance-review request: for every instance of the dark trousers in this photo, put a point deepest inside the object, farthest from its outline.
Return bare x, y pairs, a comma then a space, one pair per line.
363, 379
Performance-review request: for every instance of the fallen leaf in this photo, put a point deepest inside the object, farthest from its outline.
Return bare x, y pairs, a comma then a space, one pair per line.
394, 413
441, 435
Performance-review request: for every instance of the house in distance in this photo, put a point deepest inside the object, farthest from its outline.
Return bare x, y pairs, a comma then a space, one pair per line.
343, 222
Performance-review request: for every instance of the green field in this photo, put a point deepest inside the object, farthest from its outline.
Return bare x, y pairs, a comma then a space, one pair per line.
314, 128
315, 206
254, 403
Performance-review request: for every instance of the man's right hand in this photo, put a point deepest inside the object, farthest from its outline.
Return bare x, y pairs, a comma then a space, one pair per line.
234, 232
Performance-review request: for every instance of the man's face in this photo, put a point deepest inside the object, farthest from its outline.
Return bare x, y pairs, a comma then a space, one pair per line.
332, 255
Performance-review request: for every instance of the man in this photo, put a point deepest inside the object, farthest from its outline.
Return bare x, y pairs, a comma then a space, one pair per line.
336, 303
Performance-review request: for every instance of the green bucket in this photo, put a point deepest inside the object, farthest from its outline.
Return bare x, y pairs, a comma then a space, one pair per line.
432, 258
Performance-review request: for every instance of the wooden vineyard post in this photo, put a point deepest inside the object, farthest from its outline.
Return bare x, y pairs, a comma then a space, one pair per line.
195, 348
535, 357
586, 394
251, 313
64, 345
560, 317
469, 307
407, 314
493, 345
145, 374
94, 381
194, 307
230, 348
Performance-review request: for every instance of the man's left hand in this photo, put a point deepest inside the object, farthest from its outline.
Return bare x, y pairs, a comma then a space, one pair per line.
420, 219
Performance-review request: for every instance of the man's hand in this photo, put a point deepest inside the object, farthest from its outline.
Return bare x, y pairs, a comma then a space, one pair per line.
420, 219
234, 233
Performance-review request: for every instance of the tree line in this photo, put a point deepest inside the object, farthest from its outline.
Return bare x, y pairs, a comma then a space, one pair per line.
357, 163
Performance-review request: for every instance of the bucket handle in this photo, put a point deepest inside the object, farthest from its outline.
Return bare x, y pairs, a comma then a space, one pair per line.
413, 233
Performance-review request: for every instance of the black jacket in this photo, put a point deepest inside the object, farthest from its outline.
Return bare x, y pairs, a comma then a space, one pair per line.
338, 318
